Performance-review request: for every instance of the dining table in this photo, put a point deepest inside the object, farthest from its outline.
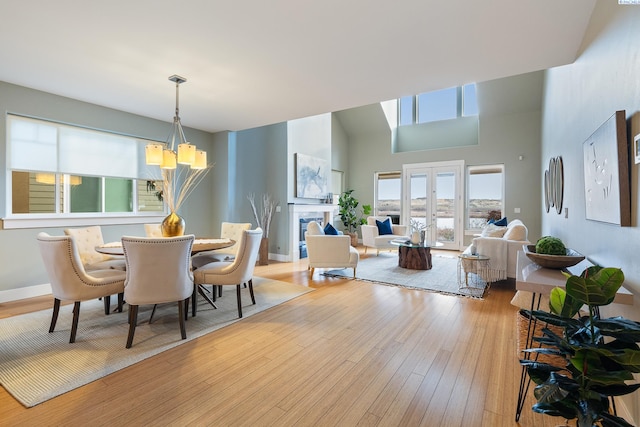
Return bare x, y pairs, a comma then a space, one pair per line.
200, 244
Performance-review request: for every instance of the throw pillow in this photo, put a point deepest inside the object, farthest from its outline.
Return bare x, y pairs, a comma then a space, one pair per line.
501, 223
329, 230
493, 230
384, 227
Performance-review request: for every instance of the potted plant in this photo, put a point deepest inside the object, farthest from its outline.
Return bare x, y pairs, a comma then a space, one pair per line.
350, 216
599, 354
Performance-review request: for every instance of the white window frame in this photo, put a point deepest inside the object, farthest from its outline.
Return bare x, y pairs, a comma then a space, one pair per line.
61, 219
415, 105
482, 169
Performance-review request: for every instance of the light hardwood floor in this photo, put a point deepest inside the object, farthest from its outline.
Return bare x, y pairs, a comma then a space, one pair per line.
350, 353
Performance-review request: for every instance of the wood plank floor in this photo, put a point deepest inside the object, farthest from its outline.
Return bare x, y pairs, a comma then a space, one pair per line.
349, 354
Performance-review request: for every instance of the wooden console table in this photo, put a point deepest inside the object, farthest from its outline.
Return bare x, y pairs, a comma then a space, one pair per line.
540, 281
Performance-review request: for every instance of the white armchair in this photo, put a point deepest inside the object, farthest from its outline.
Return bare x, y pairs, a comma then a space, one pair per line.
501, 244
371, 237
328, 251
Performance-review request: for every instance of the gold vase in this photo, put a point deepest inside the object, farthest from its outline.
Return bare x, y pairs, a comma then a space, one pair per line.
172, 225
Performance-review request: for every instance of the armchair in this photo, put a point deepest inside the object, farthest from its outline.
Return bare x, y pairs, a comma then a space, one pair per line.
326, 251
371, 237
501, 244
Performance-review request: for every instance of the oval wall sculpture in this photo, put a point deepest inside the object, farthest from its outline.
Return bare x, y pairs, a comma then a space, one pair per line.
554, 185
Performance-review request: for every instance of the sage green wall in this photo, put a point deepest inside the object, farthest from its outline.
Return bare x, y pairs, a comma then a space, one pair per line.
578, 98
21, 263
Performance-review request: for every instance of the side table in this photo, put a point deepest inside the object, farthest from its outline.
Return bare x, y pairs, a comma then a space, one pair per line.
472, 271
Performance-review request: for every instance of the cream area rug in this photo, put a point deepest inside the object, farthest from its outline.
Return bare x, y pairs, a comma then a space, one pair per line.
442, 278
36, 365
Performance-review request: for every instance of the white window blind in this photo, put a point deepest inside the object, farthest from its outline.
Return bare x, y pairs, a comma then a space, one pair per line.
37, 145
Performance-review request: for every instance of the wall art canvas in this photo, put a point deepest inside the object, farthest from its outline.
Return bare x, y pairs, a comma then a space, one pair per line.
312, 177
606, 173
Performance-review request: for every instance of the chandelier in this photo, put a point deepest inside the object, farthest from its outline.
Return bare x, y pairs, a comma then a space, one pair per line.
177, 149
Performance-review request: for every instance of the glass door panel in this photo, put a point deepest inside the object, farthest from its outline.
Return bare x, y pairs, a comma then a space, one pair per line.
445, 211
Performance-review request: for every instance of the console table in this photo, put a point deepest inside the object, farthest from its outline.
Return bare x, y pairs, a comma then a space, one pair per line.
540, 281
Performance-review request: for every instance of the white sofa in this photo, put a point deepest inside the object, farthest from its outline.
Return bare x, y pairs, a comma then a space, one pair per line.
501, 244
328, 251
371, 238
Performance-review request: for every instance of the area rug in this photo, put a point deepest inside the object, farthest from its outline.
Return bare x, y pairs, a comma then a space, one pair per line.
442, 278
36, 365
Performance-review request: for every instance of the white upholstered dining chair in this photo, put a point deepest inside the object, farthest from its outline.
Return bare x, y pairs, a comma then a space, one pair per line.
158, 271
236, 273
86, 239
228, 230
152, 230
70, 281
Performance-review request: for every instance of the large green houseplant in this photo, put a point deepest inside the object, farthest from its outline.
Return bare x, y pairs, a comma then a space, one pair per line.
350, 215
600, 354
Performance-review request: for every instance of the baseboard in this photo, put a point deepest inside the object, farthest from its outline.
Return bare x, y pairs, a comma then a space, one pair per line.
23, 293
279, 257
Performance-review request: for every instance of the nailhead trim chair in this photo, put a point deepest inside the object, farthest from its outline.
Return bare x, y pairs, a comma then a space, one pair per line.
70, 281
158, 271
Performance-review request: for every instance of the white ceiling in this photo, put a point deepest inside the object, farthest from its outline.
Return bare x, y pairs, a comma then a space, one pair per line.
253, 63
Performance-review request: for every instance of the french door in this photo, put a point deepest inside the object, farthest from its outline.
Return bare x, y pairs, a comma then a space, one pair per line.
432, 197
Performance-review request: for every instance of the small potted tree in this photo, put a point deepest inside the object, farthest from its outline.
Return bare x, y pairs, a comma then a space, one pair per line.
599, 354
351, 216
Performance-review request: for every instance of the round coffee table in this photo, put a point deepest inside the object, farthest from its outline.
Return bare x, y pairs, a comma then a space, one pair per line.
414, 256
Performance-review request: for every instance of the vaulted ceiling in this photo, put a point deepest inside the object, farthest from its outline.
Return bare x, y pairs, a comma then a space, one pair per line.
253, 63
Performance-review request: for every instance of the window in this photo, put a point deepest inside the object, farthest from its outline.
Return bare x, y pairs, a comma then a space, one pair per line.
485, 195
57, 170
438, 105
388, 195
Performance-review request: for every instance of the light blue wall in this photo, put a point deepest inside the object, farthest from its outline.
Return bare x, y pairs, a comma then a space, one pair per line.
578, 98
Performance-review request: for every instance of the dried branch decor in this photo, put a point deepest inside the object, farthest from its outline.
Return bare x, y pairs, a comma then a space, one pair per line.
179, 183
263, 220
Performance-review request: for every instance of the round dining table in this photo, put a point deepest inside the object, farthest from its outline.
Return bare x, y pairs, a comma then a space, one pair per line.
200, 244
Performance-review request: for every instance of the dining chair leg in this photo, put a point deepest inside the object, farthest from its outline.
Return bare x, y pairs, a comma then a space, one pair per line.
133, 320
153, 312
120, 301
253, 298
194, 301
186, 309
54, 316
74, 323
220, 291
107, 305
183, 329
239, 300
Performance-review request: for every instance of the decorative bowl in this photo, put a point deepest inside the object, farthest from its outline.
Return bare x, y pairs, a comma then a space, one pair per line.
557, 262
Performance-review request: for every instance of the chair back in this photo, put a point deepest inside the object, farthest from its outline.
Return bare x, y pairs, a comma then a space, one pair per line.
86, 240
233, 231
241, 269
371, 220
158, 269
63, 265
152, 230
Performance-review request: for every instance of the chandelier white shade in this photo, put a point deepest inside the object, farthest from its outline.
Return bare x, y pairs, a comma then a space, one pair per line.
177, 149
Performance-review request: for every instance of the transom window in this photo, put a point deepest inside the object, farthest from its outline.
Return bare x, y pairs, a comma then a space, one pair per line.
438, 105
58, 170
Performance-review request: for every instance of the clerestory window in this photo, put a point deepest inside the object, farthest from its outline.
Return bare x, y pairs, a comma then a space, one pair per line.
438, 105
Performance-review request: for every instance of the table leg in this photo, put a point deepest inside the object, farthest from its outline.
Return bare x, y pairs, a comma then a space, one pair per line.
525, 380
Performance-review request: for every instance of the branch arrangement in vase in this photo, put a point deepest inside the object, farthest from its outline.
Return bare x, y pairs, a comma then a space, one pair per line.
263, 218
